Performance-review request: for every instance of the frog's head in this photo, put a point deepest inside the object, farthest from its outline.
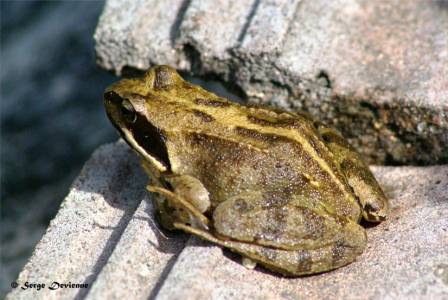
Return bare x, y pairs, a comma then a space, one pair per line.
137, 107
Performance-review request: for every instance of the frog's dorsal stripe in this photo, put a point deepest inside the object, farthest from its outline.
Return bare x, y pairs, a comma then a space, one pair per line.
237, 114
311, 149
195, 132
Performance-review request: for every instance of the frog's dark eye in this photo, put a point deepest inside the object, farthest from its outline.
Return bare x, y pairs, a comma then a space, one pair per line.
128, 111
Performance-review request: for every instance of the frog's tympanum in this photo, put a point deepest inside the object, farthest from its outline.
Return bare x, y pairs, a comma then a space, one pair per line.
279, 188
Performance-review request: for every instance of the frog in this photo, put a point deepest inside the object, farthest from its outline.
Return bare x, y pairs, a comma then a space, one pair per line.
280, 188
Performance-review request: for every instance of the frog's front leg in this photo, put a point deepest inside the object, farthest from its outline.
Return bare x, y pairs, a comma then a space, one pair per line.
184, 200
373, 201
191, 189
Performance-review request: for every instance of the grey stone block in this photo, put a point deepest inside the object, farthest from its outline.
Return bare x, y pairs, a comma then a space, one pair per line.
86, 229
138, 34
377, 70
140, 260
212, 28
268, 27
105, 235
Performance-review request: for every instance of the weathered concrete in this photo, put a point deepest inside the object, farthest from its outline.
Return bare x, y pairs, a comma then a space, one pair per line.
105, 235
377, 70
205, 34
88, 226
385, 64
140, 260
126, 28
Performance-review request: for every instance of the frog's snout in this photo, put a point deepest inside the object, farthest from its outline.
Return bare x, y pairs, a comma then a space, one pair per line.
112, 98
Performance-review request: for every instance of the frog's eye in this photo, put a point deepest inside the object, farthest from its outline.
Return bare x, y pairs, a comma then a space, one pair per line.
163, 77
128, 111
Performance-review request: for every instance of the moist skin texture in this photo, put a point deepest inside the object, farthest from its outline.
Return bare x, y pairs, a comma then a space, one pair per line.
279, 188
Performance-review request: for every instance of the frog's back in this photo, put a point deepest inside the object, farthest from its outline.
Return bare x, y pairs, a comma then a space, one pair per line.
258, 149
233, 148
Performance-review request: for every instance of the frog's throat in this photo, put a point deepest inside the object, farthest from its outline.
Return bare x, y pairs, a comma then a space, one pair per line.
131, 140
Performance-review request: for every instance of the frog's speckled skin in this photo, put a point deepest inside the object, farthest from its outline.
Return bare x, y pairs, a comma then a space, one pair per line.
276, 187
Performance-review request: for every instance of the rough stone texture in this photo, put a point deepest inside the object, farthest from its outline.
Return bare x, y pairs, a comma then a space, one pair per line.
136, 23
88, 226
268, 27
377, 70
105, 235
141, 259
205, 32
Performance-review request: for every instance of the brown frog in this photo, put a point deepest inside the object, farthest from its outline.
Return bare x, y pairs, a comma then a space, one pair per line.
279, 188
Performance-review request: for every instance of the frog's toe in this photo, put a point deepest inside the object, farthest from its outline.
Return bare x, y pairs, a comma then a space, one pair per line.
375, 211
186, 212
248, 263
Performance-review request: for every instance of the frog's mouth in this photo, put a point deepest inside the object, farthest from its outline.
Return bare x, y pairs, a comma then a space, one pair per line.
148, 140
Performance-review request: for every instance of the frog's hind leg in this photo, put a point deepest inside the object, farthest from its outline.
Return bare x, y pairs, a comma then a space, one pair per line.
187, 214
290, 262
372, 199
288, 237
255, 217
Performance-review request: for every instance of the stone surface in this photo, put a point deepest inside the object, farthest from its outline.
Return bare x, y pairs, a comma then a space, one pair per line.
105, 235
377, 70
205, 33
88, 226
267, 29
140, 260
125, 28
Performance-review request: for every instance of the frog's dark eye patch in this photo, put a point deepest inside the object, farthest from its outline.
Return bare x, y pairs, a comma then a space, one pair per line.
128, 112
151, 139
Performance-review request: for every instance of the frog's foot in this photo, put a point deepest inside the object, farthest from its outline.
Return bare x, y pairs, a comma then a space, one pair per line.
292, 262
372, 199
188, 213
